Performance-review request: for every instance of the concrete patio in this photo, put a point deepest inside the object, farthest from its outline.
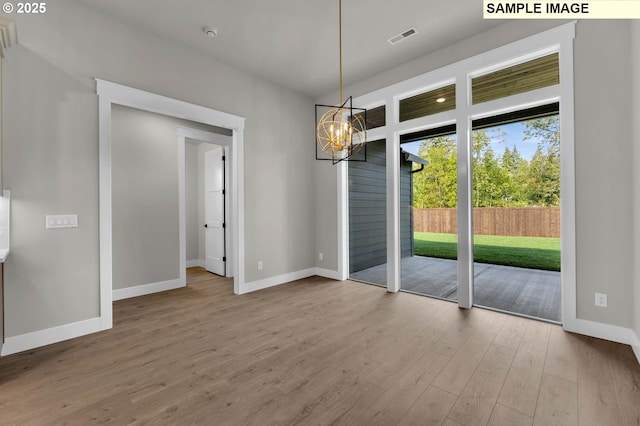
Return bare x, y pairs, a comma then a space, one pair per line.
531, 292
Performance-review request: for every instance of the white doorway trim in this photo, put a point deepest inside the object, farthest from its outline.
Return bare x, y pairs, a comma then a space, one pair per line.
112, 93
185, 133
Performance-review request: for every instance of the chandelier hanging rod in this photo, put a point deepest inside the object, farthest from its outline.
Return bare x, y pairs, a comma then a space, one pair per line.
340, 129
340, 41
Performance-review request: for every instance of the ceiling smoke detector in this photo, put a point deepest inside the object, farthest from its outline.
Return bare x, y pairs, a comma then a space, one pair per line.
402, 36
211, 32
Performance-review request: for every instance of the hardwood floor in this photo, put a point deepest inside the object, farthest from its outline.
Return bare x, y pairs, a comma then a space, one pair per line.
318, 351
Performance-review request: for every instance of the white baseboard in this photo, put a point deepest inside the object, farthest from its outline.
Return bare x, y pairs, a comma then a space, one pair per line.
36, 339
194, 263
285, 278
610, 332
141, 290
277, 280
327, 273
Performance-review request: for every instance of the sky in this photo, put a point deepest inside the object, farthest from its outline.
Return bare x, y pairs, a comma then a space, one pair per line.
513, 136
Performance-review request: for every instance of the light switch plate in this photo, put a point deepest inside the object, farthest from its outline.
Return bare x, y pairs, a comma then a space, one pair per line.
54, 221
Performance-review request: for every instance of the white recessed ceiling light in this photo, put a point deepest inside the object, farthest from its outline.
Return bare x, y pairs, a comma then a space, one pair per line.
441, 100
211, 32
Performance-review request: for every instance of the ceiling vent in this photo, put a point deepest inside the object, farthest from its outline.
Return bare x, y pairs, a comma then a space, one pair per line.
402, 36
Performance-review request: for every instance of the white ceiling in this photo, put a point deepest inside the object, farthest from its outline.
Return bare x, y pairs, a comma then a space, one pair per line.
294, 43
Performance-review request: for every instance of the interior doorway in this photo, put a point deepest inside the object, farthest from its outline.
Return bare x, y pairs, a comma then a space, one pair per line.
115, 94
208, 228
207, 215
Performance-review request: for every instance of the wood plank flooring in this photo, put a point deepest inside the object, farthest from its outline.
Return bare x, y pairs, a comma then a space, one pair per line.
317, 351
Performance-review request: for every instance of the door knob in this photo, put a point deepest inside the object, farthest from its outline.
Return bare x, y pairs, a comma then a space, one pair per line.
205, 225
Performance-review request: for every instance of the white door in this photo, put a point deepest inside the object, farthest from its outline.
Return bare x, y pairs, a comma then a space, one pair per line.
214, 210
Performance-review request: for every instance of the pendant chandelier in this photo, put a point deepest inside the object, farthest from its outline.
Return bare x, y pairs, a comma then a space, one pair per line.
340, 129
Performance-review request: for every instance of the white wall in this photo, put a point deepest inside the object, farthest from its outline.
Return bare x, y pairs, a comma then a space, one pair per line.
604, 170
604, 166
51, 154
635, 51
50, 165
145, 196
326, 203
192, 192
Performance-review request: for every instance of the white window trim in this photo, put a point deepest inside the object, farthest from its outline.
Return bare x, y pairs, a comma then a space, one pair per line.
559, 39
111, 93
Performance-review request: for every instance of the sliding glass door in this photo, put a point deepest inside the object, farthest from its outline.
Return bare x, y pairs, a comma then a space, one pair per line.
516, 209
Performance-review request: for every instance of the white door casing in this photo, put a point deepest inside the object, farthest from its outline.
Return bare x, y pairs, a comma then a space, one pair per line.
214, 206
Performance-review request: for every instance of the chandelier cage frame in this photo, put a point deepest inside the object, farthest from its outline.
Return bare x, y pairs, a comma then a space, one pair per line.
356, 119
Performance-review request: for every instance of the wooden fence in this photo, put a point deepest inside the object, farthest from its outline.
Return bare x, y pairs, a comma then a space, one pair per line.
508, 221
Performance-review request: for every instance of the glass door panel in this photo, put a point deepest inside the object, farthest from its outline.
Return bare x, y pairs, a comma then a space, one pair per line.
367, 216
516, 209
428, 215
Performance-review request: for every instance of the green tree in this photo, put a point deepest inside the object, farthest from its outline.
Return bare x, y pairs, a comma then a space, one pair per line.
505, 180
546, 131
512, 160
517, 168
435, 186
543, 181
491, 183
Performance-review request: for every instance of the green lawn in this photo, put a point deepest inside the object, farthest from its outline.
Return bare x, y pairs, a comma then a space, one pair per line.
525, 252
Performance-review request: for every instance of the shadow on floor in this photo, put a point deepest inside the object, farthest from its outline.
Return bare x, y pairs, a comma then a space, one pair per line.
531, 292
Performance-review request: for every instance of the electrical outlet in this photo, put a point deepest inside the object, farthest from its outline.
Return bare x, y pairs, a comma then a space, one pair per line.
259, 265
601, 300
321, 256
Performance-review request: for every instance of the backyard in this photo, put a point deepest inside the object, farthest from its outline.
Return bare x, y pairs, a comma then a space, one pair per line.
524, 252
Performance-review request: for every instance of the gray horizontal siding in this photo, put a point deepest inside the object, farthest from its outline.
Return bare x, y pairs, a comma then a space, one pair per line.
368, 209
